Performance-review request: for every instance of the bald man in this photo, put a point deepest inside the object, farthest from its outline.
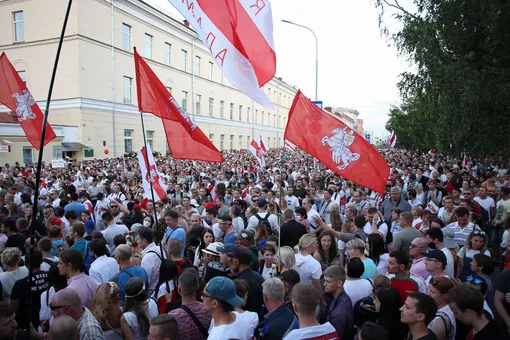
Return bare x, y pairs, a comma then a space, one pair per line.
67, 302
123, 255
64, 327
417, 250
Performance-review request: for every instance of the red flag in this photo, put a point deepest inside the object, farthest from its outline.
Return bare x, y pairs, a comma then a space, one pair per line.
15, 95
184, 137
335, 145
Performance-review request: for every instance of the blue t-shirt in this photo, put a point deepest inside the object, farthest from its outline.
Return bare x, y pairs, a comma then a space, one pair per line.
77, 207
122, 277
230, 238
176, 234
370, 269
56, 245
80, 245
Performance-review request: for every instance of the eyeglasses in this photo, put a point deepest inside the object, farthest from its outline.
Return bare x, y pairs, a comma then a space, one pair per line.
428, 259
476, 281
477, 232
207, 296
54, 308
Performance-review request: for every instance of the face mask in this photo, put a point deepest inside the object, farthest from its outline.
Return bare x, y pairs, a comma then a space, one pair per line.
147, 224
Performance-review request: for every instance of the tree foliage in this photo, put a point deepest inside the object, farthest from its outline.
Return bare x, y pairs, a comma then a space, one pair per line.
459, 92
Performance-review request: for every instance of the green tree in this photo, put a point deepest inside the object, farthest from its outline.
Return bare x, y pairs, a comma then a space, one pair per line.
459, 94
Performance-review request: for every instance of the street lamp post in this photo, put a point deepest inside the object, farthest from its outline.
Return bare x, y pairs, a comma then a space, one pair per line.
316, 55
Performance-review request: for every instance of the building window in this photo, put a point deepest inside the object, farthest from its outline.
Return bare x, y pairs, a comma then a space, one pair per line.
262, 117
231, 113
168, 49
275, 121
19, 27
150, 138
197, 65
240, 142
184, 103
240, 112
198, 99
222, 142
268, 141
148, 46
256, 117
211, 137
184, 60
88, 153
27, 155
248, 140
274, 98
269, 118
231, 142
57, 152
128, 141
127, 90
211, 107
126, 37
248, 109
211, 65
222, 109
269, 93
23, 76
169, 89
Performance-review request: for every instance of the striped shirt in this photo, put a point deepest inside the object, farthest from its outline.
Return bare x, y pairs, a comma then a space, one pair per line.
461, 234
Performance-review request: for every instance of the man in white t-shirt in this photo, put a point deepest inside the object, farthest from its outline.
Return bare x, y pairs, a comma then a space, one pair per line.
305, 300
446, 211
486, 202
435, 264
375, 224
292, 201
435, 237
311, 213
219, 297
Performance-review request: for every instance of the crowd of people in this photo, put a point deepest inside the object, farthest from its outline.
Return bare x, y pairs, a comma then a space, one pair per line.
237, 251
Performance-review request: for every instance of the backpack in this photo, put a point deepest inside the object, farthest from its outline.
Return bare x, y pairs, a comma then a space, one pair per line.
183, 264
447, 323
48, 261
265, 222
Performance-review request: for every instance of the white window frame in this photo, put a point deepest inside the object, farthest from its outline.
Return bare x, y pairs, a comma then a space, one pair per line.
231, 111
198, 100
240, 113
128, 140
211, 106
168, 53
128, 87
149, 136
19, 26
197, 65
211, 68
184, 101
23, 75
126, 37
222, 109
148, 46
184, 60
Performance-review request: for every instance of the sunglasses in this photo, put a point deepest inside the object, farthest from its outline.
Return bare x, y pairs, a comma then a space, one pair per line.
477, 232
476, 281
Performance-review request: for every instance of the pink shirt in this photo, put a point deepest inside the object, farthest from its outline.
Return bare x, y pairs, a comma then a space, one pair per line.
418, 268
85, 287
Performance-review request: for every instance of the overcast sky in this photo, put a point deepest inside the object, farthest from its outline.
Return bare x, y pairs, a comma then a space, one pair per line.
357, 68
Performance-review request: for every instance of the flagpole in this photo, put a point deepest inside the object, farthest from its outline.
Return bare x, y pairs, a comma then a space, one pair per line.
147, 166
39, 163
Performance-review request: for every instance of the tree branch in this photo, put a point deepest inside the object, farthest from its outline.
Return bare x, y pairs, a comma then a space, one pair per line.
400, 8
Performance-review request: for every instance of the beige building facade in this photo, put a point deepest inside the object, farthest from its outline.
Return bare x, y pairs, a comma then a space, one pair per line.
94, 103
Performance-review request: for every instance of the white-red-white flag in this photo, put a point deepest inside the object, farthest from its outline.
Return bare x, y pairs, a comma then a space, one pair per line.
158, 185
393, 139
290, 145
239, 34
263, 145
257, 152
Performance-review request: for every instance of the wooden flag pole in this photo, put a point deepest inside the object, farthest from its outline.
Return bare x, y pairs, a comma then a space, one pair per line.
39, 163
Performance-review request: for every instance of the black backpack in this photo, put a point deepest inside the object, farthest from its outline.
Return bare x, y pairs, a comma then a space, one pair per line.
265, 222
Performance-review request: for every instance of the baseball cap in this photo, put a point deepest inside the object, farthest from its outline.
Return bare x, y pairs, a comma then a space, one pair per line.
209, 205
226, 248
212, 248
135, 227
449, 238
241, 253
90, 226
437, 255
193, 203
82, 194
262, 203
222, 288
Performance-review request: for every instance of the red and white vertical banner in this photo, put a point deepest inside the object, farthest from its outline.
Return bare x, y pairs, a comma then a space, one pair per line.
393, 139
290, 146
257, 152
263, 145
239, 35
152, 175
